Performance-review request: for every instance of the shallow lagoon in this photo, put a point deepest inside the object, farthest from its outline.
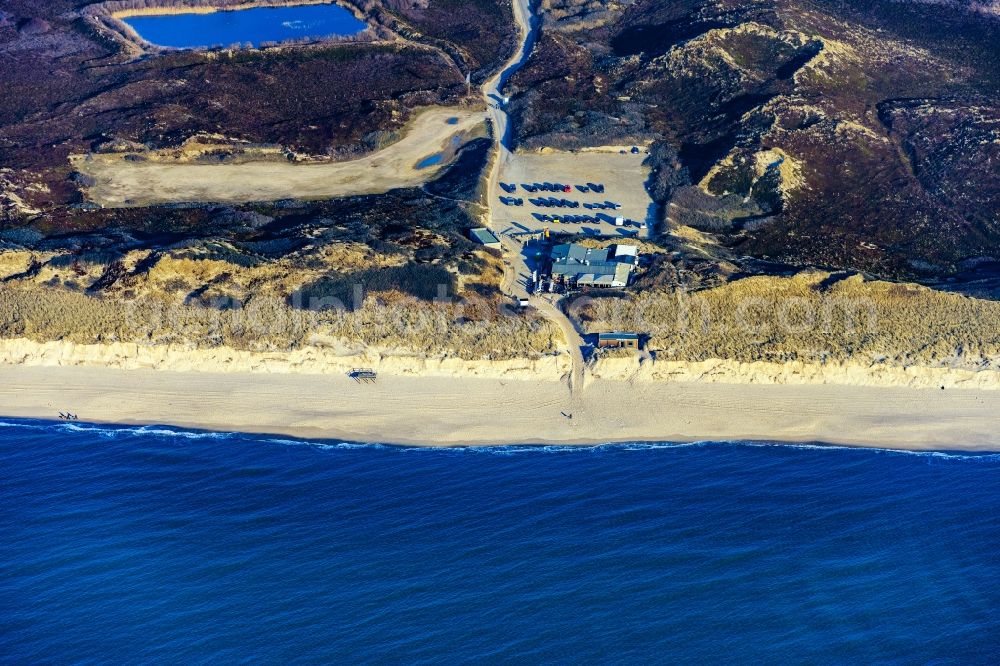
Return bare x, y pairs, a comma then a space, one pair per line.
256, 26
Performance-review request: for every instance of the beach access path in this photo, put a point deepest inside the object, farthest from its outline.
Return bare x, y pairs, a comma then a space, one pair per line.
446, 411
516, 270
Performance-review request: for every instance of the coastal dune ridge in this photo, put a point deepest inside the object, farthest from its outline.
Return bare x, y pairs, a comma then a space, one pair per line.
452, 376
547, 368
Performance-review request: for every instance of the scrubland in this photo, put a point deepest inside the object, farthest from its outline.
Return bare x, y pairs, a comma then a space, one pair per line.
387, 322
812, 317
807, 132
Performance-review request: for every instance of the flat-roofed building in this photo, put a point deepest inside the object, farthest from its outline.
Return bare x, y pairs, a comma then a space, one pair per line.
618, 340
577, 265
484, 236
628, 254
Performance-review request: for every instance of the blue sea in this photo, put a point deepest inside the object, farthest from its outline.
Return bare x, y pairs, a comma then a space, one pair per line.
155, 545
256, 25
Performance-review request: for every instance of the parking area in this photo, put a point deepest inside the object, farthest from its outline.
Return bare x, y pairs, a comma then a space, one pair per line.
596, 192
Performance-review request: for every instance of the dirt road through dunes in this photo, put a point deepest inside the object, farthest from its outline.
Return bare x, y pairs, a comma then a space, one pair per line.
119, 182
516, 272
493, 93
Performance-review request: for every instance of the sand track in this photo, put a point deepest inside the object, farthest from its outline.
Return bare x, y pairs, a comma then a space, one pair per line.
122, 183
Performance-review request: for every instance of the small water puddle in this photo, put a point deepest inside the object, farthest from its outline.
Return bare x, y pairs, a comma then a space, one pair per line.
430, 160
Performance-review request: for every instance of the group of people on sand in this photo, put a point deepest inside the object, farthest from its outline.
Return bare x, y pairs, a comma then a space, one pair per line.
68, 417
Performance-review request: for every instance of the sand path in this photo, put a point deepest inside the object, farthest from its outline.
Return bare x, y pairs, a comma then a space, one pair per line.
516, 270
121, 183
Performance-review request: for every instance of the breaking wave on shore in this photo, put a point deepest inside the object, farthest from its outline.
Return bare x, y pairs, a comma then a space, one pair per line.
170, 432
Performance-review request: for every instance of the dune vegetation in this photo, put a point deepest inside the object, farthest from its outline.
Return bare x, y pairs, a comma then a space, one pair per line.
387, 322
812, 317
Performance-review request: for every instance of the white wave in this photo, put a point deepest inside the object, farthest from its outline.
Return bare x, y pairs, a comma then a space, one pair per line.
324, 445
516, 449
954, 455
111, 432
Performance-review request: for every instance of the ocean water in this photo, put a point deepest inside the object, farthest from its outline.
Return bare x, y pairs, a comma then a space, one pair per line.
256, 25
153, 545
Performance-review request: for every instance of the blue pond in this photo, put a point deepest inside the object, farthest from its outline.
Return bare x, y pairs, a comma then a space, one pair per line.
153, 545
430, 161
256, 25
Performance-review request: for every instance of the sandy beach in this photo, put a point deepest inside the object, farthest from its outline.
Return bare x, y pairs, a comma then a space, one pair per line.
449, 411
